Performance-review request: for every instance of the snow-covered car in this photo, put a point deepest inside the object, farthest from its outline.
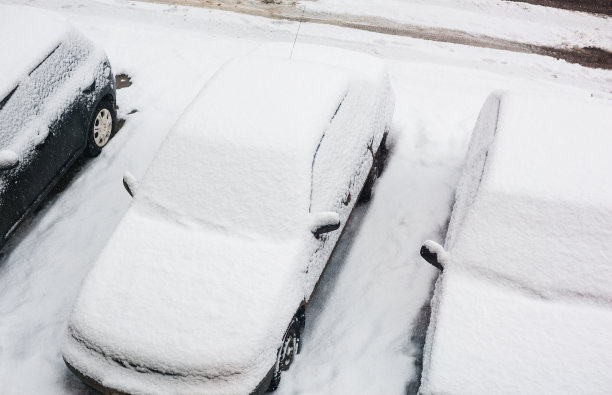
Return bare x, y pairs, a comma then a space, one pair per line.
524, 302
57, 95
203, 286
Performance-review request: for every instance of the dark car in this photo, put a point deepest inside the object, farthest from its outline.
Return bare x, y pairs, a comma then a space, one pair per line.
57, 95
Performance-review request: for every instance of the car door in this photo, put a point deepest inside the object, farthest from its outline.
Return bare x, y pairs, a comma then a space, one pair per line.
340, 166
25, 185
66, 125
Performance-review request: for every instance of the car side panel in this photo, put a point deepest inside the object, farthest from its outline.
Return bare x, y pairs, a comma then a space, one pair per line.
337, 182
28, 183
343, 162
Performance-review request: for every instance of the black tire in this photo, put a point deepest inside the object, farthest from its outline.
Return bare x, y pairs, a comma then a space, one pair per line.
375, 172
381, 156
276, 377
287, 352
94, 142
366, 192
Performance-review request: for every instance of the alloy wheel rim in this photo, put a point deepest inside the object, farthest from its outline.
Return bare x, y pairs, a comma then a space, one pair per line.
103, 126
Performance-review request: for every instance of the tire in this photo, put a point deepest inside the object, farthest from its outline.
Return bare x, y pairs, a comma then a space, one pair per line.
286, 353
375, 172
366, 192
101, 128
381, 156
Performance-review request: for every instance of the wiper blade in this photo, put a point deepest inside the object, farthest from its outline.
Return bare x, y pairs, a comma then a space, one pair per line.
6, 99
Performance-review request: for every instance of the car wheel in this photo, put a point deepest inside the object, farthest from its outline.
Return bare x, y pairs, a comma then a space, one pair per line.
286, 354
366, 192
375, 171
101, 128
381, 156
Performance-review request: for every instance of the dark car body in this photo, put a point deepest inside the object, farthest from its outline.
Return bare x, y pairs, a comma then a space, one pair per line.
45, 120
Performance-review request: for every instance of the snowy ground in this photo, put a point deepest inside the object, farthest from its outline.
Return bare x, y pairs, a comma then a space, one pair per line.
362, 329
577, 37
493, 18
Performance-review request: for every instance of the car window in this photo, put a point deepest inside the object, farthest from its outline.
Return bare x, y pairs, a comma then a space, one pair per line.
327, 171
239, 189
26, 101
44, 60
53, 70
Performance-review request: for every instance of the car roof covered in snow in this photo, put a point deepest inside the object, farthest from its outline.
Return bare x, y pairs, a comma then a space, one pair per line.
524, 304
542, 195
27, 36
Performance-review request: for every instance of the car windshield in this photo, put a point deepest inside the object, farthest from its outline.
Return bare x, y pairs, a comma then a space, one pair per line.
227, 187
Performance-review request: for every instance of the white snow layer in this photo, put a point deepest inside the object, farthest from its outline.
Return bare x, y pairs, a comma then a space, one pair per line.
525, 303
204, 273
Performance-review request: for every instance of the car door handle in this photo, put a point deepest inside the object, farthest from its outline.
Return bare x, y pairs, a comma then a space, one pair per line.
347, 199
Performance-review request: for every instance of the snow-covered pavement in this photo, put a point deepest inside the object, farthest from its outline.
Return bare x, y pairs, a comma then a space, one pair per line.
492, 18
361, 321
576, 37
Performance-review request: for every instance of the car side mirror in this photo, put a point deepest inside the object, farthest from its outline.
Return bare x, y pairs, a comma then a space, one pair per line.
434, 254
325, 222
8, 159
130, 183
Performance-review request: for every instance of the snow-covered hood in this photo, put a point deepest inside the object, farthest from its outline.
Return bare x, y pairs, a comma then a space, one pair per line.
172, 298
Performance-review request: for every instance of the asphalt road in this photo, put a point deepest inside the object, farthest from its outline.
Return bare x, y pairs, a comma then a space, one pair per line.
592, 6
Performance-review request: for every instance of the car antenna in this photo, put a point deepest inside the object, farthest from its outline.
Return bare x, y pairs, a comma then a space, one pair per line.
298, 31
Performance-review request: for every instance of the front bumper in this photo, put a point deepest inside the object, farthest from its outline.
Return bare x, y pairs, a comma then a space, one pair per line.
112, 378
262, 388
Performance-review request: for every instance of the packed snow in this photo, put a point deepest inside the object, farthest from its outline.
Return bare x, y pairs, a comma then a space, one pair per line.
204, 273
365, 321
523, 304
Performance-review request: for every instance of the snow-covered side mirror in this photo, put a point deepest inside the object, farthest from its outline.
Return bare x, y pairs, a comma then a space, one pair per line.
435, 254
324, 222
130, 183
8, 159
